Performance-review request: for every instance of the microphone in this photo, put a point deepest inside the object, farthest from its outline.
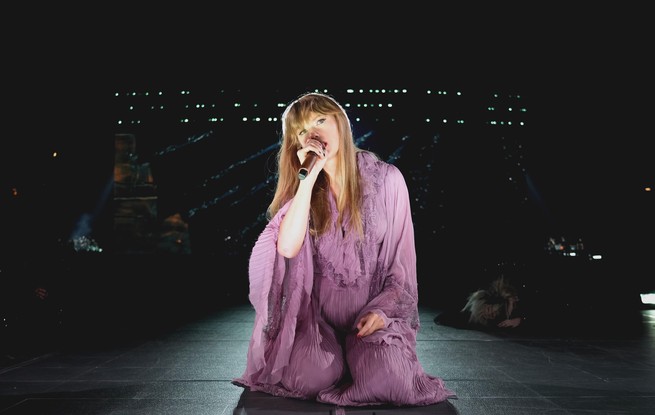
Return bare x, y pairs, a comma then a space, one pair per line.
307, 165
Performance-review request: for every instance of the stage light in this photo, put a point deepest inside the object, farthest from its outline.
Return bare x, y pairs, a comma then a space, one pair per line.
648, 299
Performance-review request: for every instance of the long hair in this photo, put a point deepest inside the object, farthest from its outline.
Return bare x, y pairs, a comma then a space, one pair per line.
294, 117
476, 305
496, 296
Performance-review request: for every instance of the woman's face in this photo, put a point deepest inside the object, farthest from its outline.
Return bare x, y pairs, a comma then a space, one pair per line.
323, 128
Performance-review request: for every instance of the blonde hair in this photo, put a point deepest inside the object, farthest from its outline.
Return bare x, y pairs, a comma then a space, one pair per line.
496, 297
294, 118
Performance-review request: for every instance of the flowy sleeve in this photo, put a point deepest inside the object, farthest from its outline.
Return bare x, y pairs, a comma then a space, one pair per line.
279, 291
396, 294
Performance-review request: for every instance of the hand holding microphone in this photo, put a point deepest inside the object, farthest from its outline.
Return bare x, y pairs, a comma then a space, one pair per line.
308, 163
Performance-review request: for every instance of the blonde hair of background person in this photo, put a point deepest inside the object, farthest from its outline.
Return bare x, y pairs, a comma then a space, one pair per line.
498, 302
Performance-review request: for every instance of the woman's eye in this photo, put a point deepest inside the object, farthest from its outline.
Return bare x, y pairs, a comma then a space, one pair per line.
320, 121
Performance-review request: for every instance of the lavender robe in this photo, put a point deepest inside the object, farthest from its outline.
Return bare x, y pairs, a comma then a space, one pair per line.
304, 342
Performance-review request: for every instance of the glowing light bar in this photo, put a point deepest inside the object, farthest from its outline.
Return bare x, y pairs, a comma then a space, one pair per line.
648, 298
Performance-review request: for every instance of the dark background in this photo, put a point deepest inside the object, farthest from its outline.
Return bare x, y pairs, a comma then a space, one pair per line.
587, 156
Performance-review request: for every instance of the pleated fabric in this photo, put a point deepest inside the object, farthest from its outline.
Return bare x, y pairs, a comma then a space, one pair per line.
304, 342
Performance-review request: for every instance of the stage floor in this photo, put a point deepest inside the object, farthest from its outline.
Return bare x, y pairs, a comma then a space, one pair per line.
187, 369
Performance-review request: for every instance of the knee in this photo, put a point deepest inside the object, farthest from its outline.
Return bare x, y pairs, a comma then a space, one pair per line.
387, 384
309, 376
385, 372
